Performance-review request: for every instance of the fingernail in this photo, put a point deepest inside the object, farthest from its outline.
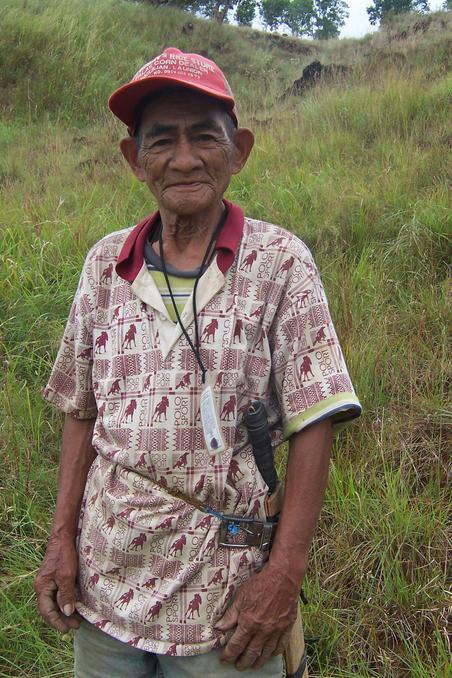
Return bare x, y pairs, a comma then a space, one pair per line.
68, 609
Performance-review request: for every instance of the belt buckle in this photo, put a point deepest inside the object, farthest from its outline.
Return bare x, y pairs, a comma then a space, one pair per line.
237, 532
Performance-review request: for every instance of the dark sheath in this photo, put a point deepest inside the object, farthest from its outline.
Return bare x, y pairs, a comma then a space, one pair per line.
256, 423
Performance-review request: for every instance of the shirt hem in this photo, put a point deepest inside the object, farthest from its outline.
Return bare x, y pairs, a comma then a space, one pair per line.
149, 644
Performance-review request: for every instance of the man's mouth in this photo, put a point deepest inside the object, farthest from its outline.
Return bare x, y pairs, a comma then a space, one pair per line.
186, 184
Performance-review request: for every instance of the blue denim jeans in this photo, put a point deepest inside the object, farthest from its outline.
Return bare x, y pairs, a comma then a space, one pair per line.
98, 655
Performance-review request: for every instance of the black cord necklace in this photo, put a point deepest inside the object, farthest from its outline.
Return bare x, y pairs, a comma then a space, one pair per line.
196, 346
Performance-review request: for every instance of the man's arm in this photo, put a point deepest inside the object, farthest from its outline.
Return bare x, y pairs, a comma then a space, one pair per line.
265, 607
55, 581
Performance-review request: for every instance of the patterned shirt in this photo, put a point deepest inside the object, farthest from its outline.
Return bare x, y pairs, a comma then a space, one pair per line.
151, 572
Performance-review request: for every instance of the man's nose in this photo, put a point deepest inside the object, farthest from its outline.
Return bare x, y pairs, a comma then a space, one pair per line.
185, 159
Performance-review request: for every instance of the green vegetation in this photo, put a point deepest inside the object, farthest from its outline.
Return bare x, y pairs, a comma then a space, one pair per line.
382, 10
321, 19
358, 168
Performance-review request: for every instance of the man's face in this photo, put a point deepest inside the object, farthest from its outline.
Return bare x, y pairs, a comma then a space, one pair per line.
185, 154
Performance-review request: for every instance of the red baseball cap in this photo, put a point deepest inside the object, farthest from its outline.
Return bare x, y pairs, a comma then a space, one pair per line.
172, 68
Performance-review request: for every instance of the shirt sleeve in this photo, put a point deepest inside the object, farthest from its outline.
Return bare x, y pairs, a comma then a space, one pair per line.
70, 383
309, 373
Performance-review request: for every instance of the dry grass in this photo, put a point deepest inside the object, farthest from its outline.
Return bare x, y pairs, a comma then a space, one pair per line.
358, 170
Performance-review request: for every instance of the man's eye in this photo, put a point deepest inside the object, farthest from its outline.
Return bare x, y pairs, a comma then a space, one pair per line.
205, 137
160, 143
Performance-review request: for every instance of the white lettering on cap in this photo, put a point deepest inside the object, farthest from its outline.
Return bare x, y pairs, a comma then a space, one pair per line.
174, 64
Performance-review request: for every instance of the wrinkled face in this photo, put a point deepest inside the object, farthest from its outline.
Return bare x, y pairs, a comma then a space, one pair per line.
185, 152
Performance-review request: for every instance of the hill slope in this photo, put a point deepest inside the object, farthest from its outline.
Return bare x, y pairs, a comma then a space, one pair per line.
64, 58
358, 167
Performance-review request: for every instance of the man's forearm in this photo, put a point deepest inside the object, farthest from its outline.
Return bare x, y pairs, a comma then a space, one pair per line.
56, 579
77, 455
306, 479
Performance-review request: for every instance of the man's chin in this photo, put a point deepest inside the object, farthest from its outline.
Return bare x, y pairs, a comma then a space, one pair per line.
185, 206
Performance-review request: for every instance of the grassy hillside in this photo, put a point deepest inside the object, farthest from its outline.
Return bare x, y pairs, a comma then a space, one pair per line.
359, 169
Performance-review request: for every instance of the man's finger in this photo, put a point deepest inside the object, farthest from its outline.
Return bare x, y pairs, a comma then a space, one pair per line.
229, 618
236, 644
256, 653
73, 621
49, 612
267, 652
282, 642
66, 591
66, 599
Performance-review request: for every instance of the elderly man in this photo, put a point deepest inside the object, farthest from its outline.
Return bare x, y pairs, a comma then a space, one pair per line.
177, 324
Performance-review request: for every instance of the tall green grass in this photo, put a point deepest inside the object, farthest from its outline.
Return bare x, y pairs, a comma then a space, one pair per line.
359, 169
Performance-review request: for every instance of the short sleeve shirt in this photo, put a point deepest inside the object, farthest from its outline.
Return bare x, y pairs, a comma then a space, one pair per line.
151, 571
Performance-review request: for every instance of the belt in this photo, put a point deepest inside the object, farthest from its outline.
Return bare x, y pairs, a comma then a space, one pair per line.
235, 531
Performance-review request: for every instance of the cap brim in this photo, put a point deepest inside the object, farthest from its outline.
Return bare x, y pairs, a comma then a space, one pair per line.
125, 100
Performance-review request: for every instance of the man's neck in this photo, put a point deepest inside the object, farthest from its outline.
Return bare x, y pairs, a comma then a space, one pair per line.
186, 238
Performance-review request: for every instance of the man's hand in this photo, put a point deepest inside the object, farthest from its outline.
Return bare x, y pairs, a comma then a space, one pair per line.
55, 581
263, 613
55, 585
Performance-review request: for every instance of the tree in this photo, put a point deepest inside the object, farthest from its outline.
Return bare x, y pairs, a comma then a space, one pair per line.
382, 10
245, 12
219, 11
319, 18
297, 15
272, 12
329, 17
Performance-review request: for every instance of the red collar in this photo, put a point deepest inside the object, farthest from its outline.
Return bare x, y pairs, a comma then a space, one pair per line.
130, 259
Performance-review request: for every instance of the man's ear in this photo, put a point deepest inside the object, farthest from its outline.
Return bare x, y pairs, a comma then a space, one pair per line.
243, 142
129, 150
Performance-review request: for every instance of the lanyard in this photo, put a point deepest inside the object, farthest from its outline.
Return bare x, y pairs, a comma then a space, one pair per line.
196, 346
